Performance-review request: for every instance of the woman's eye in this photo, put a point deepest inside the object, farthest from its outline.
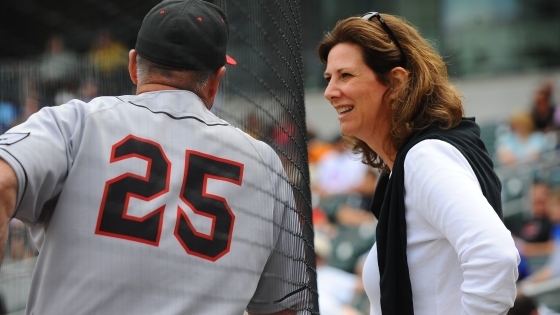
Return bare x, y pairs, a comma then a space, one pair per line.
328, 79
345, 75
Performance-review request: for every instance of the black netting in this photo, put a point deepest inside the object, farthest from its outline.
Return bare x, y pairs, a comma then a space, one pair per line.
264, 95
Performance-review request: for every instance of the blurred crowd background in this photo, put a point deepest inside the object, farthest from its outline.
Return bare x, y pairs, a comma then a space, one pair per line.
506, 53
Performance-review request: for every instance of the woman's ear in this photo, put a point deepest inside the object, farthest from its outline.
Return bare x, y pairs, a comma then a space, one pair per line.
399, 76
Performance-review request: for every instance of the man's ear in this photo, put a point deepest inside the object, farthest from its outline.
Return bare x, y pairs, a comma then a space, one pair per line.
132, 66
219, 75
399, 76
213, 85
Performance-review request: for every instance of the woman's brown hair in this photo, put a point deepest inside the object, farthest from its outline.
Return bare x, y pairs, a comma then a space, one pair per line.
427, 97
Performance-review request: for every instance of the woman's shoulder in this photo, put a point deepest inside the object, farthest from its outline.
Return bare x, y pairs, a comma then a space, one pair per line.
433, 151
435, 159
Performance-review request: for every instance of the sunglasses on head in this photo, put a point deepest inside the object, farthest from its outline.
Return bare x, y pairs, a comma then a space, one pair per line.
370, 15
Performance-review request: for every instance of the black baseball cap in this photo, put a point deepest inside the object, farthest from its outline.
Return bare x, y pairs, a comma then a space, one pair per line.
187, 34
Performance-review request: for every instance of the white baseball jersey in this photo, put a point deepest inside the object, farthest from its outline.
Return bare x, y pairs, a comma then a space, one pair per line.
150, 204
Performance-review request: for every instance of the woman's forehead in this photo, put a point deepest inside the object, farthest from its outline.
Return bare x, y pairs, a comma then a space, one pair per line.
344, 55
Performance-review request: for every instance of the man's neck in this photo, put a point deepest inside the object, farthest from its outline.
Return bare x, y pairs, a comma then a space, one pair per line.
152, 87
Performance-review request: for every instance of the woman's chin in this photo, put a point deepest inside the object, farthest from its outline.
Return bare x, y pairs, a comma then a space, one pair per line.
348, 130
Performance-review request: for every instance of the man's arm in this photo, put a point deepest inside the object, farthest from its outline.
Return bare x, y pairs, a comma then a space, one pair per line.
8, 195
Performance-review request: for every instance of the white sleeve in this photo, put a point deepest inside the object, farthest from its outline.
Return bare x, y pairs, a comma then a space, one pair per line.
285, 274
39, 151
446, 188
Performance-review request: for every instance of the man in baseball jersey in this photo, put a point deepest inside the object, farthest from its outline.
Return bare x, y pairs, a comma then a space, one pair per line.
148, 203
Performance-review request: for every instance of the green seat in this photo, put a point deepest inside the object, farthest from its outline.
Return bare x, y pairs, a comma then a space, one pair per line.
349, 244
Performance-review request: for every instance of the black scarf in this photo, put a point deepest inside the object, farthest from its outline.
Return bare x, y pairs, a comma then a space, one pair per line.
388, 206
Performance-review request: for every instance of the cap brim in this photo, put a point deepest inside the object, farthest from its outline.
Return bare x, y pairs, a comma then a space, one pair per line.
230, 61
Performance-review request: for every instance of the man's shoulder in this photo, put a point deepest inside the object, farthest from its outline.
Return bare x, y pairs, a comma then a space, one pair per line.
108, 100
95, 103
259, 145
177, 104
267, 152
73, 109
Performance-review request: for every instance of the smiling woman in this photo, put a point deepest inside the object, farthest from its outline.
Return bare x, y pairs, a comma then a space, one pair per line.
441, 247
357, 95
419, 91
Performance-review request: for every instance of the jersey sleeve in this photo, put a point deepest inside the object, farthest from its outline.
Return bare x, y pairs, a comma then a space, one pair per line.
446, 190
285, 274
39, 151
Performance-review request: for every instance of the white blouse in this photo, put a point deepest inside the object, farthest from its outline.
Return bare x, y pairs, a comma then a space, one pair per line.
461, 257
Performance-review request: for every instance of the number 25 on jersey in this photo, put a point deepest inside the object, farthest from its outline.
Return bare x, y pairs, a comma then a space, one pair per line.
114, 221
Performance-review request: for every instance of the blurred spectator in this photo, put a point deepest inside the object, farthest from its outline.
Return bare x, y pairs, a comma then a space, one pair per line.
521, 144
108, 54
552, 267
355, 210
30, 106
538, 227
65, 94
523, 305
542, 111
57, 68
321, 222
257, 128
252, 126
8, 113
88, 90
19, 242
342, 188
554, 213
316, 147
284, 131
533, 238
110, 57
339, 172
56, 63
337, 288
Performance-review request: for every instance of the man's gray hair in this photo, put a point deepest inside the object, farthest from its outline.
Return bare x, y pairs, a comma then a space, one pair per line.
190, 80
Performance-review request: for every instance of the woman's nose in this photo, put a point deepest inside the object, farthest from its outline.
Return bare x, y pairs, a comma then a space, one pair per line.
331, 92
